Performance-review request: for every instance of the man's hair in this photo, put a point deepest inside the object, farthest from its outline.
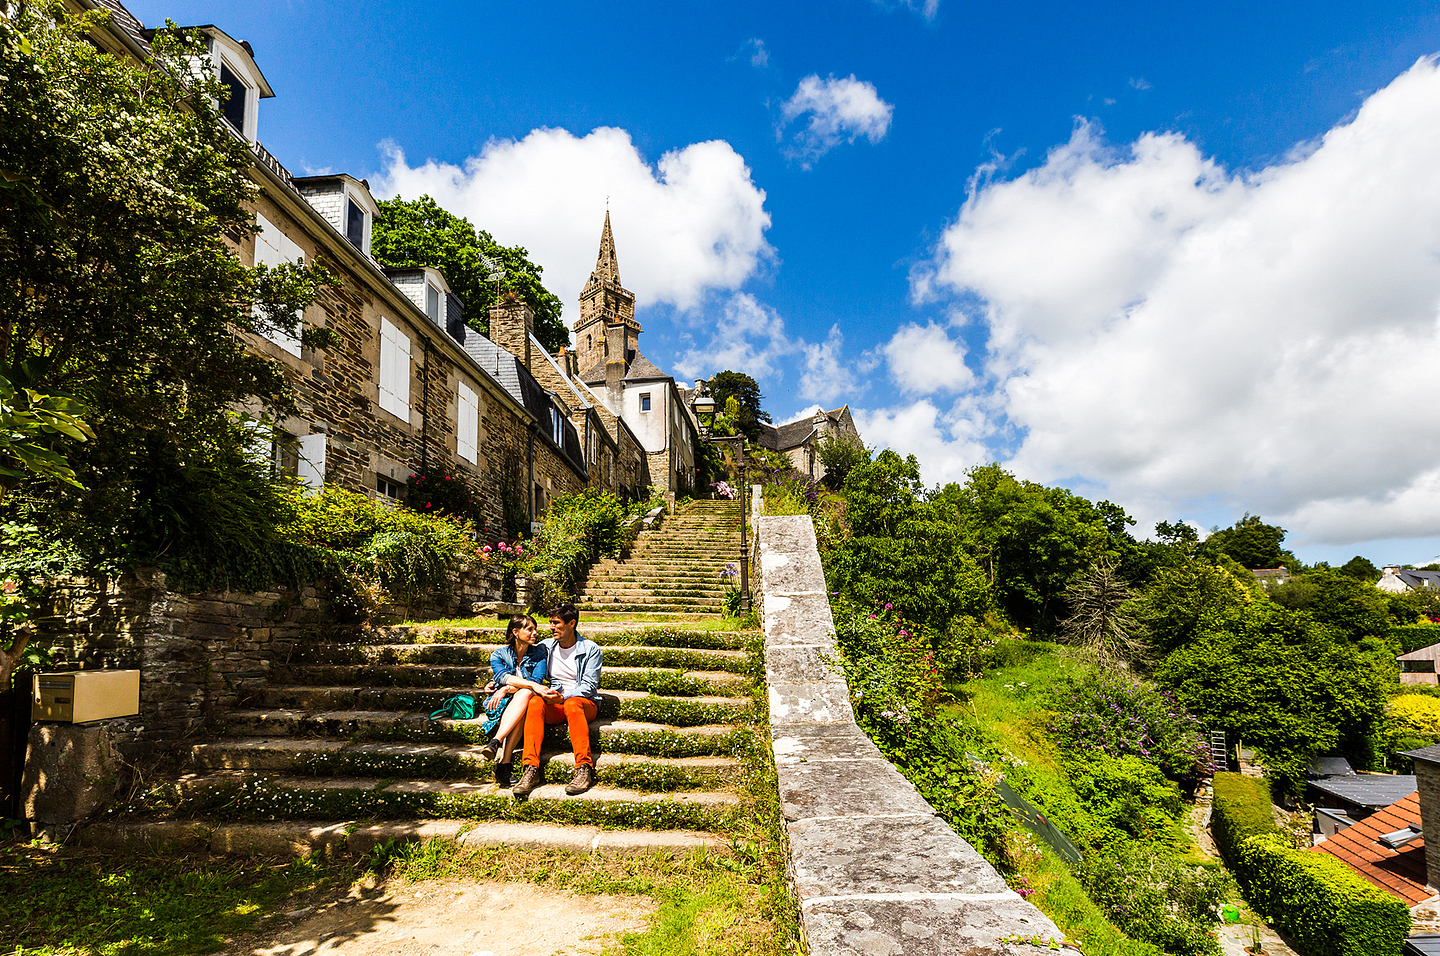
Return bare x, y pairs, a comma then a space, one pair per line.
566, 612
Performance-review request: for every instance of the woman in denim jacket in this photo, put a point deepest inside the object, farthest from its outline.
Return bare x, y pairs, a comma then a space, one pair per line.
518, 671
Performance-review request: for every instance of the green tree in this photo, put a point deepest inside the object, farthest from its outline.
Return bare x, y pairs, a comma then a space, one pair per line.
1251, 542
1282, 682
1171, 606
840, 454
1099, 621
419, 233
745, 390
1362, 569
1176, 533
122, 192
1353, 607
1031, 540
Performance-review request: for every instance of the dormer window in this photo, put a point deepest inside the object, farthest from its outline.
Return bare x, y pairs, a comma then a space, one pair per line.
432, 302
356, 223
236, 107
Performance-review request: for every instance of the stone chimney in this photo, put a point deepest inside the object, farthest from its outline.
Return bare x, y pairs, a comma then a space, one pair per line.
511, 323
615, 366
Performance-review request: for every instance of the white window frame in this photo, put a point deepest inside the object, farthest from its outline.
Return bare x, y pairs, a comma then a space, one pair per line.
273, 248
645, 403
368, 220
394, 370
438, 316
467, 424
252, 93
557, 426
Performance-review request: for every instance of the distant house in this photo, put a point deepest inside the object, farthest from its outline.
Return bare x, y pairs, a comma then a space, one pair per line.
1399, 580
1358, 795
800, 440
1272, 577
1387, 848
1418, 667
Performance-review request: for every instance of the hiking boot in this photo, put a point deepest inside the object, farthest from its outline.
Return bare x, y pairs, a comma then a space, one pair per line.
504, 775
529, 780
583, 780
491, 748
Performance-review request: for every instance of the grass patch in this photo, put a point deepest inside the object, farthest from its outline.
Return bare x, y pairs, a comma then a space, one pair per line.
691, 622
64, 900
710, 903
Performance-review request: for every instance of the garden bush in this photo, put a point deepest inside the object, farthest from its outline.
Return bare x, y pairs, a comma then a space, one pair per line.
1241, 809
1118, 715
1415, 715
894, 683
1127, 793
1157, 898
1317, 901
578, 530
1412, 637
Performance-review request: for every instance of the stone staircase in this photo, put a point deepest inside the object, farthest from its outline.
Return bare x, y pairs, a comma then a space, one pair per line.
673, 569
335, 749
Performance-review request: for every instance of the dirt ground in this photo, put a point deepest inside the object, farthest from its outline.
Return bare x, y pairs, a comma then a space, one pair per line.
450, 918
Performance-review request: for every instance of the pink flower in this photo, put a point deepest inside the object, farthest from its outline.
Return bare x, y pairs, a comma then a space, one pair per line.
486, 549
889, 607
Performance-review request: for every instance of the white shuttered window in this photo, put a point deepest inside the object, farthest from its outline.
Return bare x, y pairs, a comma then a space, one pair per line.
467, 425
394, 370
273, 248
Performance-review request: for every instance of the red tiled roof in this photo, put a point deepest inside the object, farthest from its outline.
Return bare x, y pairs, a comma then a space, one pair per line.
1398, 872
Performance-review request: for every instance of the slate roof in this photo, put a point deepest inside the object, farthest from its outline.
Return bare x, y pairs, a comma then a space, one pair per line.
522, 386
641, 370
1398, 872
1419, 579
125, 21
1329, 767
789, 435
1428, 945
1430, 754
1372, 790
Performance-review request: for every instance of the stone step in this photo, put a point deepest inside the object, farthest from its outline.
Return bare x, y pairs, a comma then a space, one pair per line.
629, 704
249, 796
309, 756
589, 606
377, 677
305, 838
611, 735
478, 655
651, 595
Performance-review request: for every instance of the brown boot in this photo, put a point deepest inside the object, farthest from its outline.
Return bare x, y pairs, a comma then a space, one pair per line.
528, 781
583, 780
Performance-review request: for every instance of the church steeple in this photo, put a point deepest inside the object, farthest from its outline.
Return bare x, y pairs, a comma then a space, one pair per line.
607, 328
607, 266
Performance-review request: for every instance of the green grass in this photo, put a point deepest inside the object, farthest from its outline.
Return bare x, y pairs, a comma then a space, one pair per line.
63, 900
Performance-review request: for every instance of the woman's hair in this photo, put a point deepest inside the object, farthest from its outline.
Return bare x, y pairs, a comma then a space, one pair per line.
516, 622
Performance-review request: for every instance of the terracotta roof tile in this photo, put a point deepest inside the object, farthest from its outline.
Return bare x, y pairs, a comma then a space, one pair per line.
1400, 872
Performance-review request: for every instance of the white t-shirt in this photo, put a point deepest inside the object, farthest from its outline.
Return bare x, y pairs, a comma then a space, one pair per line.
563, 673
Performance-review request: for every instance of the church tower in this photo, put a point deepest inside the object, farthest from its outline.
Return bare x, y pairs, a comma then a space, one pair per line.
606, 330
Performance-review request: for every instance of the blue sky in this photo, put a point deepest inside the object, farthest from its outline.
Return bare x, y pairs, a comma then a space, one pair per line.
1185, 257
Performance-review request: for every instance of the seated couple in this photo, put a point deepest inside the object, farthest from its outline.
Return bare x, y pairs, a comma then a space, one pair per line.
522, 703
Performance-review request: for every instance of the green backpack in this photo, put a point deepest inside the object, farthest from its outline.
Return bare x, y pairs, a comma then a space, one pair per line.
459, 707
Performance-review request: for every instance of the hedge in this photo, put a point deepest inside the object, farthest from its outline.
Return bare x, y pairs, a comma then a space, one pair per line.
1317, 901
1412, 637
1241, 809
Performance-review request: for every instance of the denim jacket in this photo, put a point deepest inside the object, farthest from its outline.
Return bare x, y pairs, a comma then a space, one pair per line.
587, 666
532, 665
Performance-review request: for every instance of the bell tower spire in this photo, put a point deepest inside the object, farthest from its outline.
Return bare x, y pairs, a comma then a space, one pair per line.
607, 330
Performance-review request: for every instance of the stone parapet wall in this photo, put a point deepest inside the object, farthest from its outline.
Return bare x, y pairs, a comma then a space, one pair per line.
874, 869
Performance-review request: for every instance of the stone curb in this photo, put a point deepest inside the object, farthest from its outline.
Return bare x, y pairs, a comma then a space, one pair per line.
873, 868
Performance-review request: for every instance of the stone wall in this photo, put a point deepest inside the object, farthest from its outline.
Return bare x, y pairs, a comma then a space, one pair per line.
874, 869
197, 653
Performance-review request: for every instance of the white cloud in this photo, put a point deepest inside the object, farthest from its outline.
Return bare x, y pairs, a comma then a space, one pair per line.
1140, 83
693, 222
759, 56
1176, 332
749, 337
925, 359
840, 111
827, 376
926, 8
805, 414
946, 442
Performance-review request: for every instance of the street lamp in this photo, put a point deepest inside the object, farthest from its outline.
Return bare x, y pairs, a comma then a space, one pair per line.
704, 408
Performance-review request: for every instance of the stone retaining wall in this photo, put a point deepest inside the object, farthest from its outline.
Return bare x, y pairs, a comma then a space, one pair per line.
197, 652
874, 869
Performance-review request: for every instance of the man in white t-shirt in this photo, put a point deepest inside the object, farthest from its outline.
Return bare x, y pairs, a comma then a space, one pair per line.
573, 665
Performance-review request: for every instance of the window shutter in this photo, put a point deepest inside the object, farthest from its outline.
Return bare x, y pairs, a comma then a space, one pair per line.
467, 425
394, 370
273, 248
312, 461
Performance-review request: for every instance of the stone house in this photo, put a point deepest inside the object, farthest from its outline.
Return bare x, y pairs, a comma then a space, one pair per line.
800, 440
1396, 580
402, 384
608, 363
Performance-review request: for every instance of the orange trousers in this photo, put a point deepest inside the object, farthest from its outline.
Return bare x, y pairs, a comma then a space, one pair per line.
577, 712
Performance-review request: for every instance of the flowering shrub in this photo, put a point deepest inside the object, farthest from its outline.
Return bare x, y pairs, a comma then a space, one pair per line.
894, 683
1120, 716
435, 490
722, 489
1157, 898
